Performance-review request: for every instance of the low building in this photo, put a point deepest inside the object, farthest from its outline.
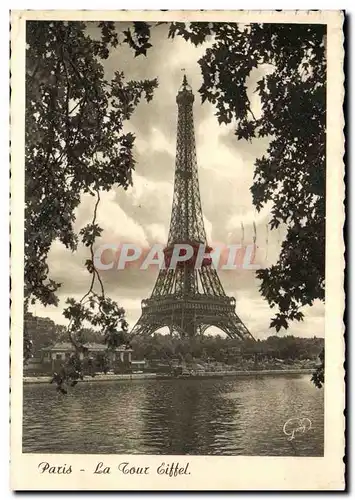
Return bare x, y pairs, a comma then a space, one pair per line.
33, 366
96, 357
138, 365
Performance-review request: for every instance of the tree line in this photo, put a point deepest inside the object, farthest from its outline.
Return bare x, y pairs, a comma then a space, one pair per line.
45, 332
225, 350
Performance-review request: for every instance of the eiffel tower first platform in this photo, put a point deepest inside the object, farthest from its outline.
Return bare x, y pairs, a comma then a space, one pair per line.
185, 299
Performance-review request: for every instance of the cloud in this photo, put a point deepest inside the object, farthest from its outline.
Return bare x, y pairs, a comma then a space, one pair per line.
146, 202
155, 165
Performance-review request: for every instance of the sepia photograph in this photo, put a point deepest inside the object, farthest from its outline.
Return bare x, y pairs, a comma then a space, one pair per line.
174, 240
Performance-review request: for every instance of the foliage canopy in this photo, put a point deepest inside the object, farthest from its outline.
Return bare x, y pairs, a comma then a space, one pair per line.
75, 144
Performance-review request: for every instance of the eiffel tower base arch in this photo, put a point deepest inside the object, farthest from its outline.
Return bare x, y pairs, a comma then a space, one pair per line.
189, 318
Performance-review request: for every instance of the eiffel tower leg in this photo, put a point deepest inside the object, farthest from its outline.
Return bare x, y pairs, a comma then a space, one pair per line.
230, 324
203, 328
142, 327
148, 324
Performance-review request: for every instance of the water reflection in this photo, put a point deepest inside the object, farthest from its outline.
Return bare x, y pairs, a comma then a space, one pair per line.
182, 417
192, 418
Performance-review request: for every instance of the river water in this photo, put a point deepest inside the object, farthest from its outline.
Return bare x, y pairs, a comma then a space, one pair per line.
241, 416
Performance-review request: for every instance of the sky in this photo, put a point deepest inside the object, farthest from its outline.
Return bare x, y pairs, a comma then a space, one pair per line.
141, 215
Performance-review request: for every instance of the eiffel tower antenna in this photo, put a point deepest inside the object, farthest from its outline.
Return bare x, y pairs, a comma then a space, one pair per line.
185, 299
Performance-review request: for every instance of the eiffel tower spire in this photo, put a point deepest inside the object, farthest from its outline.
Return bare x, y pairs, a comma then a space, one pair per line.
186, 299
186, 217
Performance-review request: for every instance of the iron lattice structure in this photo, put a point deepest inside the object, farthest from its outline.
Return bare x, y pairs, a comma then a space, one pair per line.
185, 299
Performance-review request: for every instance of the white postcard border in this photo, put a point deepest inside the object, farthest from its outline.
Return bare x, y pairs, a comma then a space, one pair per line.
207, 472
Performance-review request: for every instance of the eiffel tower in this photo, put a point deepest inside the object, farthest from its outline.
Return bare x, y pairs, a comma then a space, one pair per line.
185, 299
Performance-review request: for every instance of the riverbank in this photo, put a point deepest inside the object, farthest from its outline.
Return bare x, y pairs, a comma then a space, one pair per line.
238, 373
139, 376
